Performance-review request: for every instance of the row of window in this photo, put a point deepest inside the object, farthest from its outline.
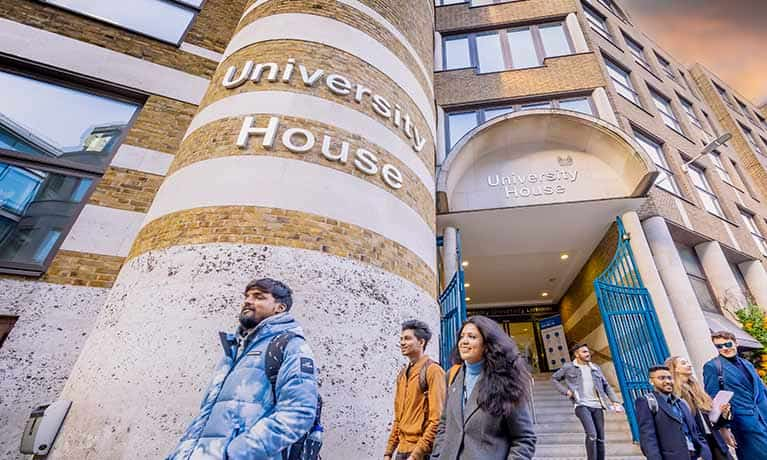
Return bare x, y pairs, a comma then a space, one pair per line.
165, 20
49, 163
755, 117
517, 48
461, 122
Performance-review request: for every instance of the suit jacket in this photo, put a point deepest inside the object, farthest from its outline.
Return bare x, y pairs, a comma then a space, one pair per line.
470, 433
661, 435
749, 405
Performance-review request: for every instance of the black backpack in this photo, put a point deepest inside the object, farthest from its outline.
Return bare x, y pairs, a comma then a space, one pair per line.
308, 446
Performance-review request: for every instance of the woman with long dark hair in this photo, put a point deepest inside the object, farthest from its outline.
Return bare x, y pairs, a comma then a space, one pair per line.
686, 386
486, 415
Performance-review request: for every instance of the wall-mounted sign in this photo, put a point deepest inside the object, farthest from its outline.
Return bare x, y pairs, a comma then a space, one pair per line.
551, 182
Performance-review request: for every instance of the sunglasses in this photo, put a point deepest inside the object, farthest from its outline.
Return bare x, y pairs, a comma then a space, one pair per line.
719, 346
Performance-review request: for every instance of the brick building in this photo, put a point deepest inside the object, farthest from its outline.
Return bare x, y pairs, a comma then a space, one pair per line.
381, 157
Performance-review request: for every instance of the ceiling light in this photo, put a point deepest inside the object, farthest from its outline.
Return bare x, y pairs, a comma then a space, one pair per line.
544, 294
465, 263
466, 285
468, 299
564, 256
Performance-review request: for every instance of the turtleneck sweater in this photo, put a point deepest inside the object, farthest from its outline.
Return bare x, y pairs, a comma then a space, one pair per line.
473, 372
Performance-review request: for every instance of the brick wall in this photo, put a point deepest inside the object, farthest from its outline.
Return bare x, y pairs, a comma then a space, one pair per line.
463, 17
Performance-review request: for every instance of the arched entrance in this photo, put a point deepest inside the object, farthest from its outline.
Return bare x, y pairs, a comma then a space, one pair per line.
535, 195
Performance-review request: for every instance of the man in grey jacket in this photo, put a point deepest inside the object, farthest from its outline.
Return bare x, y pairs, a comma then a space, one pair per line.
586, 386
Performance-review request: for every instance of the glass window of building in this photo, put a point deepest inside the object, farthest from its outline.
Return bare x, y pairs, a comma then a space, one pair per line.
690, 111
741, 280
554, 39
705, 192
743, 180
457, 55
610, 5
597, 21
166, 20
697, 278
450, 2
756, 234
523, 53
687, 83
622, 81
497, 112
581, 104
716, 158
489, 52
666, 178
637, 51
536, 105
723, 94
762, 121
751, 139
50, 162
666, 66
746, 111
458, 124
663, 104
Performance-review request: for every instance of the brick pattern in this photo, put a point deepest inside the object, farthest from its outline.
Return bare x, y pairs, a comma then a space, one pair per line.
97, 33
347, 15
279, 227
217, 139
463, 17
415, 20
557, 75
315, 56
81, 269
126, 189
212, 29
161, 124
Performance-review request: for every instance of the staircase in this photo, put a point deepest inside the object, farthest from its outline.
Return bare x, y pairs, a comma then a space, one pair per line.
560, 434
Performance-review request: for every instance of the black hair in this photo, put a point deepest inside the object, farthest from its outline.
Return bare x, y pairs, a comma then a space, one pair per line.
420, 330
655, 369
506, 382
279, 290
577, 347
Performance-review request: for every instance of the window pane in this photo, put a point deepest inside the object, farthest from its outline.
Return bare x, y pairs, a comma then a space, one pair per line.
459, 124
492, 113
522, 48
489, 53
35, 207
703, 294
597, 22
156, 18
690, 261
457, 53
46, 120
537, 105
579, 105
554, 40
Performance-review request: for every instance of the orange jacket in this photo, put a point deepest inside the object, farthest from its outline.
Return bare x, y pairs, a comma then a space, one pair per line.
410, 432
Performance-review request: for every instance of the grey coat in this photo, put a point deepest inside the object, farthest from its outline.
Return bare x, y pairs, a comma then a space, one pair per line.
470, 433
570, 374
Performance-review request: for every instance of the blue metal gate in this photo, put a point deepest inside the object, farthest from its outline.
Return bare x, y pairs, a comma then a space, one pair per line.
631, 324
452, 304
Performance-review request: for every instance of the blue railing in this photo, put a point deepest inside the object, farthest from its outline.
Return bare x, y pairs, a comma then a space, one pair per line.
452, 304
631, 325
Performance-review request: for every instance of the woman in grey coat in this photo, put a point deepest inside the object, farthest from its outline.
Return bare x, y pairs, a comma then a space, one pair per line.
485, 415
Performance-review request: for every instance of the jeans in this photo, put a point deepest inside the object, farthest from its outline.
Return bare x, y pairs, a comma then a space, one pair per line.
405, 455
593, 421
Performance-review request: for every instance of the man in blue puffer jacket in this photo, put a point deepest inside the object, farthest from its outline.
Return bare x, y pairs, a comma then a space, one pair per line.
241, 416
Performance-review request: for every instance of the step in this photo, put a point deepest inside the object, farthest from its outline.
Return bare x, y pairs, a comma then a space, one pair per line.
608, 457
579, 450
560, 418
575, 438
568, 414
576, 427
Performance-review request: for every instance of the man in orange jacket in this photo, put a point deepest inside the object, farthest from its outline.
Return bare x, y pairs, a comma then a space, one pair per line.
418, 399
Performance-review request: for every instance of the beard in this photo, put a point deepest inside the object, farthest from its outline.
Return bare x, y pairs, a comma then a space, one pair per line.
248, 320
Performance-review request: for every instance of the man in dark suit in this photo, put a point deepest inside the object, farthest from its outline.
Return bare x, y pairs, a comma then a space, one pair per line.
667, 430
730, 372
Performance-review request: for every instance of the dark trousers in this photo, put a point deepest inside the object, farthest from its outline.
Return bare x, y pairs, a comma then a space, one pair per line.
593, 421
405, 455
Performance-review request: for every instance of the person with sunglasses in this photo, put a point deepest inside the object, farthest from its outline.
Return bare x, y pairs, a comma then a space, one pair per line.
730, 372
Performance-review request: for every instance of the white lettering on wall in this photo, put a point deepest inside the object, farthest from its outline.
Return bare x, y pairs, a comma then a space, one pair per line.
546, 183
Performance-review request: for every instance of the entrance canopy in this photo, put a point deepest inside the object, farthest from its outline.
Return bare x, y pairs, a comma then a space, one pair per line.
533, 193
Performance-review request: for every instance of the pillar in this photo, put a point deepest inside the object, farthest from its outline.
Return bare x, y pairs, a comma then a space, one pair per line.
756, 279
651, 279
315, 168
449, 253
687, 311
720, 277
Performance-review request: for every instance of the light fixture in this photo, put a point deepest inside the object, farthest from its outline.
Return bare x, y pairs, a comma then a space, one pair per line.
465, 263
564, 256
468, 299
544, 294
466, 285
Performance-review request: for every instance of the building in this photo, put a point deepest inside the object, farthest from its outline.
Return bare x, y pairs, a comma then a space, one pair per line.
536, 161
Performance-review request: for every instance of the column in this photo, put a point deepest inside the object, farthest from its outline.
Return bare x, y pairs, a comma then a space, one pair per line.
449, 253
310, 160
756, 279
686, 308
651, 279
720, 277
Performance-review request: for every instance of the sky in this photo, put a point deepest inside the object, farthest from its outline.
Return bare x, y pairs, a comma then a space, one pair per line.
727, 36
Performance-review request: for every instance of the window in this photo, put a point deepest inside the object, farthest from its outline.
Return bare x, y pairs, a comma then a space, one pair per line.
697, 278
756, 234
707, 196
690, 111
663, 104
457, 55
709, 122
597, 21
55, 143
751, 139
744, 108
687, 83
6, 324
459, 124
716, 158
581, 104
450, 2
741, 280
743, 180
666, 66
637, 51
622, 82
723, 94
666, 178
517, 48
610, 5
762, 121
536, 105
166, 20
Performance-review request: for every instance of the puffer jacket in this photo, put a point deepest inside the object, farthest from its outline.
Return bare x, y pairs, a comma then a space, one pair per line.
238, 417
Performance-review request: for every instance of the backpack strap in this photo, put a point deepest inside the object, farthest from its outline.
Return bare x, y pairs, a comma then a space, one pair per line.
652, 403
275, 355
719, 372
424, 384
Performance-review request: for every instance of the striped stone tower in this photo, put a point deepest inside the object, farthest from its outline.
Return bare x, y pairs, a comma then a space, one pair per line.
310, 160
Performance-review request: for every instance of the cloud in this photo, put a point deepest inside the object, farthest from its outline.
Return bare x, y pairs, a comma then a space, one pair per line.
728, 37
